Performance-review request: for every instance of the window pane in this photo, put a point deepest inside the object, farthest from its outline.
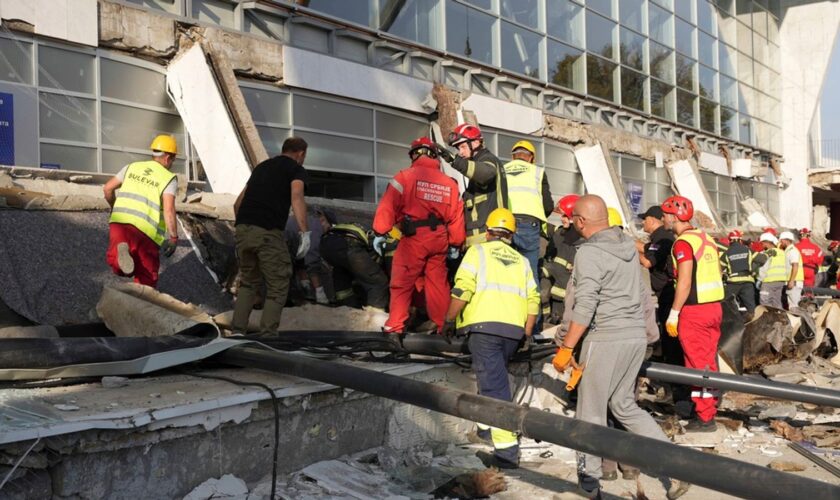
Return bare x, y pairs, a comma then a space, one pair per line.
484, 4
67, 118
727, 64
661, 62
661, 25
214, 12
632, 89
685, 38
685, 72
412, 19
728, 123
565, 66
682, 8
391, 159
15, 61
603, 6
334, 116
668, 4
745, 70
520, 50
264, 24
708, 109
66, 70
599, 77
355, 11
744, 39
661, 99
399, 129
560, 158
68, 157
338, 152
631, 14
599, 35
165, 5
706, 16
707, 82
135, 128
706, 50
472, 38
685, 108
632, 49
267, 106
333, 185
133, 83
522, 11
272, 138
728, 91
114, 161
563, 182
631, 168
565, 21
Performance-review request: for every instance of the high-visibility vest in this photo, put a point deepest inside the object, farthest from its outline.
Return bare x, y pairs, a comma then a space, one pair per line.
524, 181
706, 282
800, 271
139, 199
497, 283
776, 268
738, 263
353, 230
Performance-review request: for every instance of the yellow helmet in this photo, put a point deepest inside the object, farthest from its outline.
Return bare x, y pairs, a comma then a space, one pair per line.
614, 217
501, 218
526, 146
165, 143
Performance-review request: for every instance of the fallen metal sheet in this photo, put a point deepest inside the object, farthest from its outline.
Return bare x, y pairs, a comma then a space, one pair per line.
828, 323
341, 478
774, 335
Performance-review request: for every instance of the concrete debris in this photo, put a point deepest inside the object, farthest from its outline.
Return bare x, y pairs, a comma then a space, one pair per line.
774, 335
316, 317
132, 310
38, 331
786, 430
114, 382
354, 481
227, 487
786, 466
778, 411
66, 407
823, 436
474, 485
80, 178
195, 197
136, 30
448, 101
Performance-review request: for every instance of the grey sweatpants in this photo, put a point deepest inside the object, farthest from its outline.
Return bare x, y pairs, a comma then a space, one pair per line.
794, 295
770, 294
609, 381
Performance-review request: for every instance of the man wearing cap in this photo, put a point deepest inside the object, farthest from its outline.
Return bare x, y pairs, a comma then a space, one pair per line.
771, 276
812, 256
143, 224
794, 270
737, 262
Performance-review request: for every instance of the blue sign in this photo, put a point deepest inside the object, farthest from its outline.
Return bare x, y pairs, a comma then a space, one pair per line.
634, 191
7, 129
51, 166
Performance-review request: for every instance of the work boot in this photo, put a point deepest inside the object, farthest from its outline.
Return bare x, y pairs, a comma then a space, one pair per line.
588, 487
245, 298
124, 259
609, 476
495, 461
678, 488
697, 425
629, 473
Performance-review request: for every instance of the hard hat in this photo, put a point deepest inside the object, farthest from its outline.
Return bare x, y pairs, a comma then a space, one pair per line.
526, 145
787, 235
680, 207
165, 143
422, 145
614, 217
804, 232
769, 237
771, 230
735, 235
501, 218
463, 133
834, 244
395, 233
723, 241
566, 204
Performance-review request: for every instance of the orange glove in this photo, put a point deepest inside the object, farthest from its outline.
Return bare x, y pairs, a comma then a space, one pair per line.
562, 358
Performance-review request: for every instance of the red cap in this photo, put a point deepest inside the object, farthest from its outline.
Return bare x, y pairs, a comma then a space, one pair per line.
771, 230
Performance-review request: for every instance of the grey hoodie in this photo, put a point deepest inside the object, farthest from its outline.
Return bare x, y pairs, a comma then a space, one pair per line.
608, 290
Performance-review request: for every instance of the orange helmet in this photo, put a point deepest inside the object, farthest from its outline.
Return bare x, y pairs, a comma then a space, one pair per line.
680, 207
463, 133
566, 204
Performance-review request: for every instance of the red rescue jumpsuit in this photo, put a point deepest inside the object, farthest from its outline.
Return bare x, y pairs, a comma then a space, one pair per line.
420, 192
812, 257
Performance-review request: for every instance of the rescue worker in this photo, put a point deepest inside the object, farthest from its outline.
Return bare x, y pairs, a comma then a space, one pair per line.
737, 263
262, 208
834, 266
609, 311
696, 313
424, 202
347, 248
530, 200
771, 275
143, 225
495, 302
487, 188
559, 257
812, 257
794, 270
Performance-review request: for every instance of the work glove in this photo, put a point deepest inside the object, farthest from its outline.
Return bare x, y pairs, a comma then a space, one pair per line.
448, 329
379, 243
453, 254
526, 344
672, 322
562, 358
444, 153
168, 247
305, 243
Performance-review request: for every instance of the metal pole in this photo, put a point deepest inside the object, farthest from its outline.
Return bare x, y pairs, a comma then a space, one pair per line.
657, 458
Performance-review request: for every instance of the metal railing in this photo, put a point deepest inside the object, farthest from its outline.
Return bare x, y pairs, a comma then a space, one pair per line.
825, 153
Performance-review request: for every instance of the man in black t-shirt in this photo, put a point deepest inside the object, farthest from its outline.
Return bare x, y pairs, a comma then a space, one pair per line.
261, 213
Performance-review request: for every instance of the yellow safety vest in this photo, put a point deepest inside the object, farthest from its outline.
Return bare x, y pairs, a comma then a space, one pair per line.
524, 182
499, 288
139, 199
800, 271
353, 230
707, 283
776, 269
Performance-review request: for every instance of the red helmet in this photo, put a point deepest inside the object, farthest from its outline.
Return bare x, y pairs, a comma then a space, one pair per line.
804, 232
463, 133
567, 204
422, 145
771, 230
833, 245
735, 235
679, 206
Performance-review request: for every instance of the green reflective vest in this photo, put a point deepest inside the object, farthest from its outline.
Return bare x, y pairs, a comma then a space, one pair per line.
776, 266
707, 283
139, 199
524, 181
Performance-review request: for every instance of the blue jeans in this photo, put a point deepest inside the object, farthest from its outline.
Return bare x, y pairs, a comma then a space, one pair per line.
527, 242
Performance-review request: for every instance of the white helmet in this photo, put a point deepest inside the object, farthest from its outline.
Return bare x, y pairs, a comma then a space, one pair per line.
768, 237
787, 235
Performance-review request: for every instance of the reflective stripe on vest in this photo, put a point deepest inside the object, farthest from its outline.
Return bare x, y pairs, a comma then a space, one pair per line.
776, 270
800, 271
139, 197
707, 282
524, 182
558, 292
352, 230
563, 262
